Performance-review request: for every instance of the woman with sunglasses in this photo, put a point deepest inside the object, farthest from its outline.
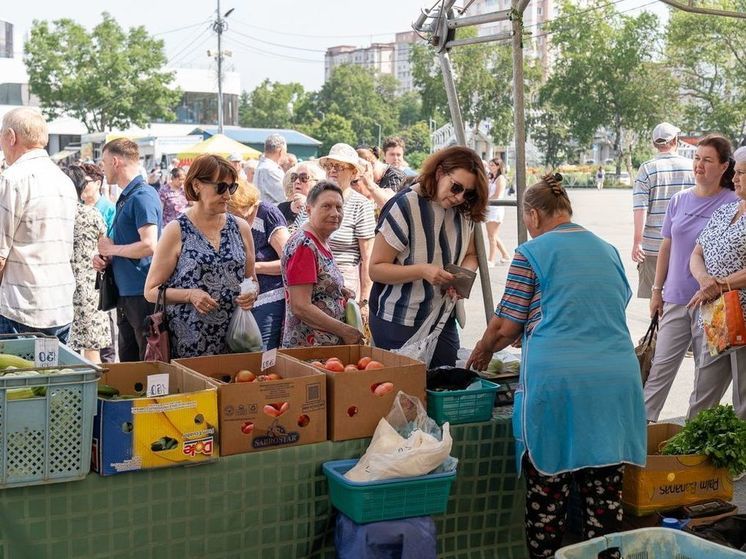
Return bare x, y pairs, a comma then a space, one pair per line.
420, 230
302, 178
201, 259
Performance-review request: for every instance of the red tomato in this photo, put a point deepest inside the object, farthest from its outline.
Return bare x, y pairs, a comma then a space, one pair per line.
335, 366
374, 365
245, 376
363, 363
349, 368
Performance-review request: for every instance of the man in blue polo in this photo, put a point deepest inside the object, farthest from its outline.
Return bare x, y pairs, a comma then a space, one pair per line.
131, 242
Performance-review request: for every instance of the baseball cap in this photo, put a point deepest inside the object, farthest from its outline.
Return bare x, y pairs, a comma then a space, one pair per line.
235, 157
664, 133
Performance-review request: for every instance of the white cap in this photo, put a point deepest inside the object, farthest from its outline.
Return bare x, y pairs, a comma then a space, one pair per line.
664, 133
235, 157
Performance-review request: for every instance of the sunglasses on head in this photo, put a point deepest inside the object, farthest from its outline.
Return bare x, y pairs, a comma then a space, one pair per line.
223, 187
457, 188
302, 177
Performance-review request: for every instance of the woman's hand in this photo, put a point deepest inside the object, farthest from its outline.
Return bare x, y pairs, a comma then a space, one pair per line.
435, 274
453, 294
656, 303
99, 262
480, 357
202, 301
352, 336
298, 203
246, 300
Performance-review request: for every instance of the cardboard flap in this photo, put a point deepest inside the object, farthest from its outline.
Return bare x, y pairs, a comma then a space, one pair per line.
132, 378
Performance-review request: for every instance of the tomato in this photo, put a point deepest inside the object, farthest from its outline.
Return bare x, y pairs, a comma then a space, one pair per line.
383, 388
363, 363
350, 368
273, 376
318, 364
335, 366
374, 365
245, 376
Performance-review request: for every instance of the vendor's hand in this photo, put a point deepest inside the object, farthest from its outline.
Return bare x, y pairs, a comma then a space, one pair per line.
348, 293
106, 246
480, 357
656, 303
99, 262
352, 336
435, 274
202, 301
637, 254
246, 300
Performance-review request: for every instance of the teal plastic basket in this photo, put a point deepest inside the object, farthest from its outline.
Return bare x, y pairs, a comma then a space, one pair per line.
651, 543
388, 499
47, 439
462, 406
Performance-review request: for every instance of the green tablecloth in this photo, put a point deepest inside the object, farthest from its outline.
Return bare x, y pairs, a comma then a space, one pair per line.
266, 505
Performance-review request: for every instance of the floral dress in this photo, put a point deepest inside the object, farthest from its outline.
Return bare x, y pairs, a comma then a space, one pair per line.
326, 294
90, 327
217, 272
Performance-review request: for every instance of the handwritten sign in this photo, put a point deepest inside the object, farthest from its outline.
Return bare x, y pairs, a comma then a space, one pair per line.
46, 352
269, 358
157, 385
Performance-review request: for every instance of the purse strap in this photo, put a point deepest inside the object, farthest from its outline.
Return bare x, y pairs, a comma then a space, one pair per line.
652, 329
160, 302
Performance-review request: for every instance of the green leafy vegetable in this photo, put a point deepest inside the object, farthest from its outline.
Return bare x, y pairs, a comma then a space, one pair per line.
717, 433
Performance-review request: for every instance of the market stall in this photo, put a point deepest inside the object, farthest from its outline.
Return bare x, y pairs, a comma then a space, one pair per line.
270, 504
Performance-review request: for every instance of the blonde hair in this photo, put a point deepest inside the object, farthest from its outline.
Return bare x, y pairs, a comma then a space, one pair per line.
246, 197
28, 125
287, 184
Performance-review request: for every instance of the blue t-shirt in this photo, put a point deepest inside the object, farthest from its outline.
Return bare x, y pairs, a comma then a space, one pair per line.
107, 210
137, 207
268, 219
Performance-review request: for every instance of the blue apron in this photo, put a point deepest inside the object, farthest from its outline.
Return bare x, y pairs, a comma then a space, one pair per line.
580, 401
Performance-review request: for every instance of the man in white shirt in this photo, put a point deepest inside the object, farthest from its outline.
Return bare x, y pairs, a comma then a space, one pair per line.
268, 175
38, 203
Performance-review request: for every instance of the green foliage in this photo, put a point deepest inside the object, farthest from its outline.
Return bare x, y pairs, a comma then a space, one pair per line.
416, 138
717, 433
271, 105
107, 78
410, 108
709, 55
415, 158
333, 129
552, 135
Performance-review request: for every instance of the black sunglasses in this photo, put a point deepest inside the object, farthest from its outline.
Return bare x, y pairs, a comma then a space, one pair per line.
458, 188
302, 177
223, 187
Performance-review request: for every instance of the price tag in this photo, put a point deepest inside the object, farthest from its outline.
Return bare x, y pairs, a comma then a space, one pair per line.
46, 352
157, 385
269, 358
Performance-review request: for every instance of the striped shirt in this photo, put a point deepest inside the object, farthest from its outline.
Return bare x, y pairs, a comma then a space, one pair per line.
358, 222
421, 231
657, 181
38, 204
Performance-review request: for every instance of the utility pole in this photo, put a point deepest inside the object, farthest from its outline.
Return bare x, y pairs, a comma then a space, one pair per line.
219, 26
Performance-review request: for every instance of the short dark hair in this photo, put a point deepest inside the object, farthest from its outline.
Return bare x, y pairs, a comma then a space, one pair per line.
450, 159
393, 142
321, 187
93, 171
124, 148
725, 154
208, 168
77, 175
176, 172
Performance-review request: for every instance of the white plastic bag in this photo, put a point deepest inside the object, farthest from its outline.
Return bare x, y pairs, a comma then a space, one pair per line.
406, 443
421, 345
243, 332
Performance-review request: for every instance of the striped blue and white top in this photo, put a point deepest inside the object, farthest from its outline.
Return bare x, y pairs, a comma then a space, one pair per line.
657, 181
423, 233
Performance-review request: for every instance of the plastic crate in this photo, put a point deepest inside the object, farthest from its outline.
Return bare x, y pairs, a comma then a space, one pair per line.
47, 439
388, 499
462, 406
651, 543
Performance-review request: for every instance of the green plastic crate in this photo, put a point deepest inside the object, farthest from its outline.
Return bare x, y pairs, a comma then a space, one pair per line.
651, 543
462, 406
47, 439
389, 499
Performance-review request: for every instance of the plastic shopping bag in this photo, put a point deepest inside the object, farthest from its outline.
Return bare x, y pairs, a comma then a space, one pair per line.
244, 335
723, 323
406, 443
421, 346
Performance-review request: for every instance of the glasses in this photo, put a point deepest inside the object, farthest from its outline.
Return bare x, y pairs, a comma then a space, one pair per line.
223, 187
337, 167
458, 188
302, 177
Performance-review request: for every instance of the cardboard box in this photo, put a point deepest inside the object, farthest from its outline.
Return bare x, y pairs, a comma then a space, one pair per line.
354, 410
158, 432
247, 420
667, 482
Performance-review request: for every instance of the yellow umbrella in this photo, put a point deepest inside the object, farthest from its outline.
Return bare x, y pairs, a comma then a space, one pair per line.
219, 144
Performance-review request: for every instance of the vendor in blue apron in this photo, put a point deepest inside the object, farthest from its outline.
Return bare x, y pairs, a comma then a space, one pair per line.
579, 412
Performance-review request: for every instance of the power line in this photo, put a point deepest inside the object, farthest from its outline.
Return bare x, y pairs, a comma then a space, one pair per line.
202, 36
279, 32
181, 28
263, 41
255, 49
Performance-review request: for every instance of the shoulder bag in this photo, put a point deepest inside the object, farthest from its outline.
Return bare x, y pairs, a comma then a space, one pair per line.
156, 331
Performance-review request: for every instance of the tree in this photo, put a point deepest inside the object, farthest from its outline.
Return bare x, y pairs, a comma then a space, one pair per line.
410, 108
271, 105
708, 54
551, 133
107, 79
605, 75
332, 129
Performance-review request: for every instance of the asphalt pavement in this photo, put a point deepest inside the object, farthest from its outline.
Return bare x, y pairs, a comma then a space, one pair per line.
608, 213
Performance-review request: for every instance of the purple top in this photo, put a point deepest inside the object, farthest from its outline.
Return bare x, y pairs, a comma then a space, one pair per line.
686, 216
174, 203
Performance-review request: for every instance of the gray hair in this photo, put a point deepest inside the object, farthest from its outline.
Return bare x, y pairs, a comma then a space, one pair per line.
740, 155
314, 169
274, 142
29, 126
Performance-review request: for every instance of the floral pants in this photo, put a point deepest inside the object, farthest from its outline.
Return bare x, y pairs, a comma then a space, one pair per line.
546, 506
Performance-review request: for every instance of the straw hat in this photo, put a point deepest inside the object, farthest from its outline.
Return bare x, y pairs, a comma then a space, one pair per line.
343, 153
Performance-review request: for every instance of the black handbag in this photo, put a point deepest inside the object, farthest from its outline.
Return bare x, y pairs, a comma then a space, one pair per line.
108, 292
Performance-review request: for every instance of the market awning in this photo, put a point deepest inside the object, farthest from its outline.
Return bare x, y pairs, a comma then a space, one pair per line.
218, 144
63, 154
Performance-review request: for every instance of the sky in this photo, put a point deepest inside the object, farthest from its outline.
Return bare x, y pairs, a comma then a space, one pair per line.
279, 40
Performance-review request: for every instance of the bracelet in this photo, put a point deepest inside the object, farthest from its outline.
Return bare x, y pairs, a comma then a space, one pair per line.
655, 288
